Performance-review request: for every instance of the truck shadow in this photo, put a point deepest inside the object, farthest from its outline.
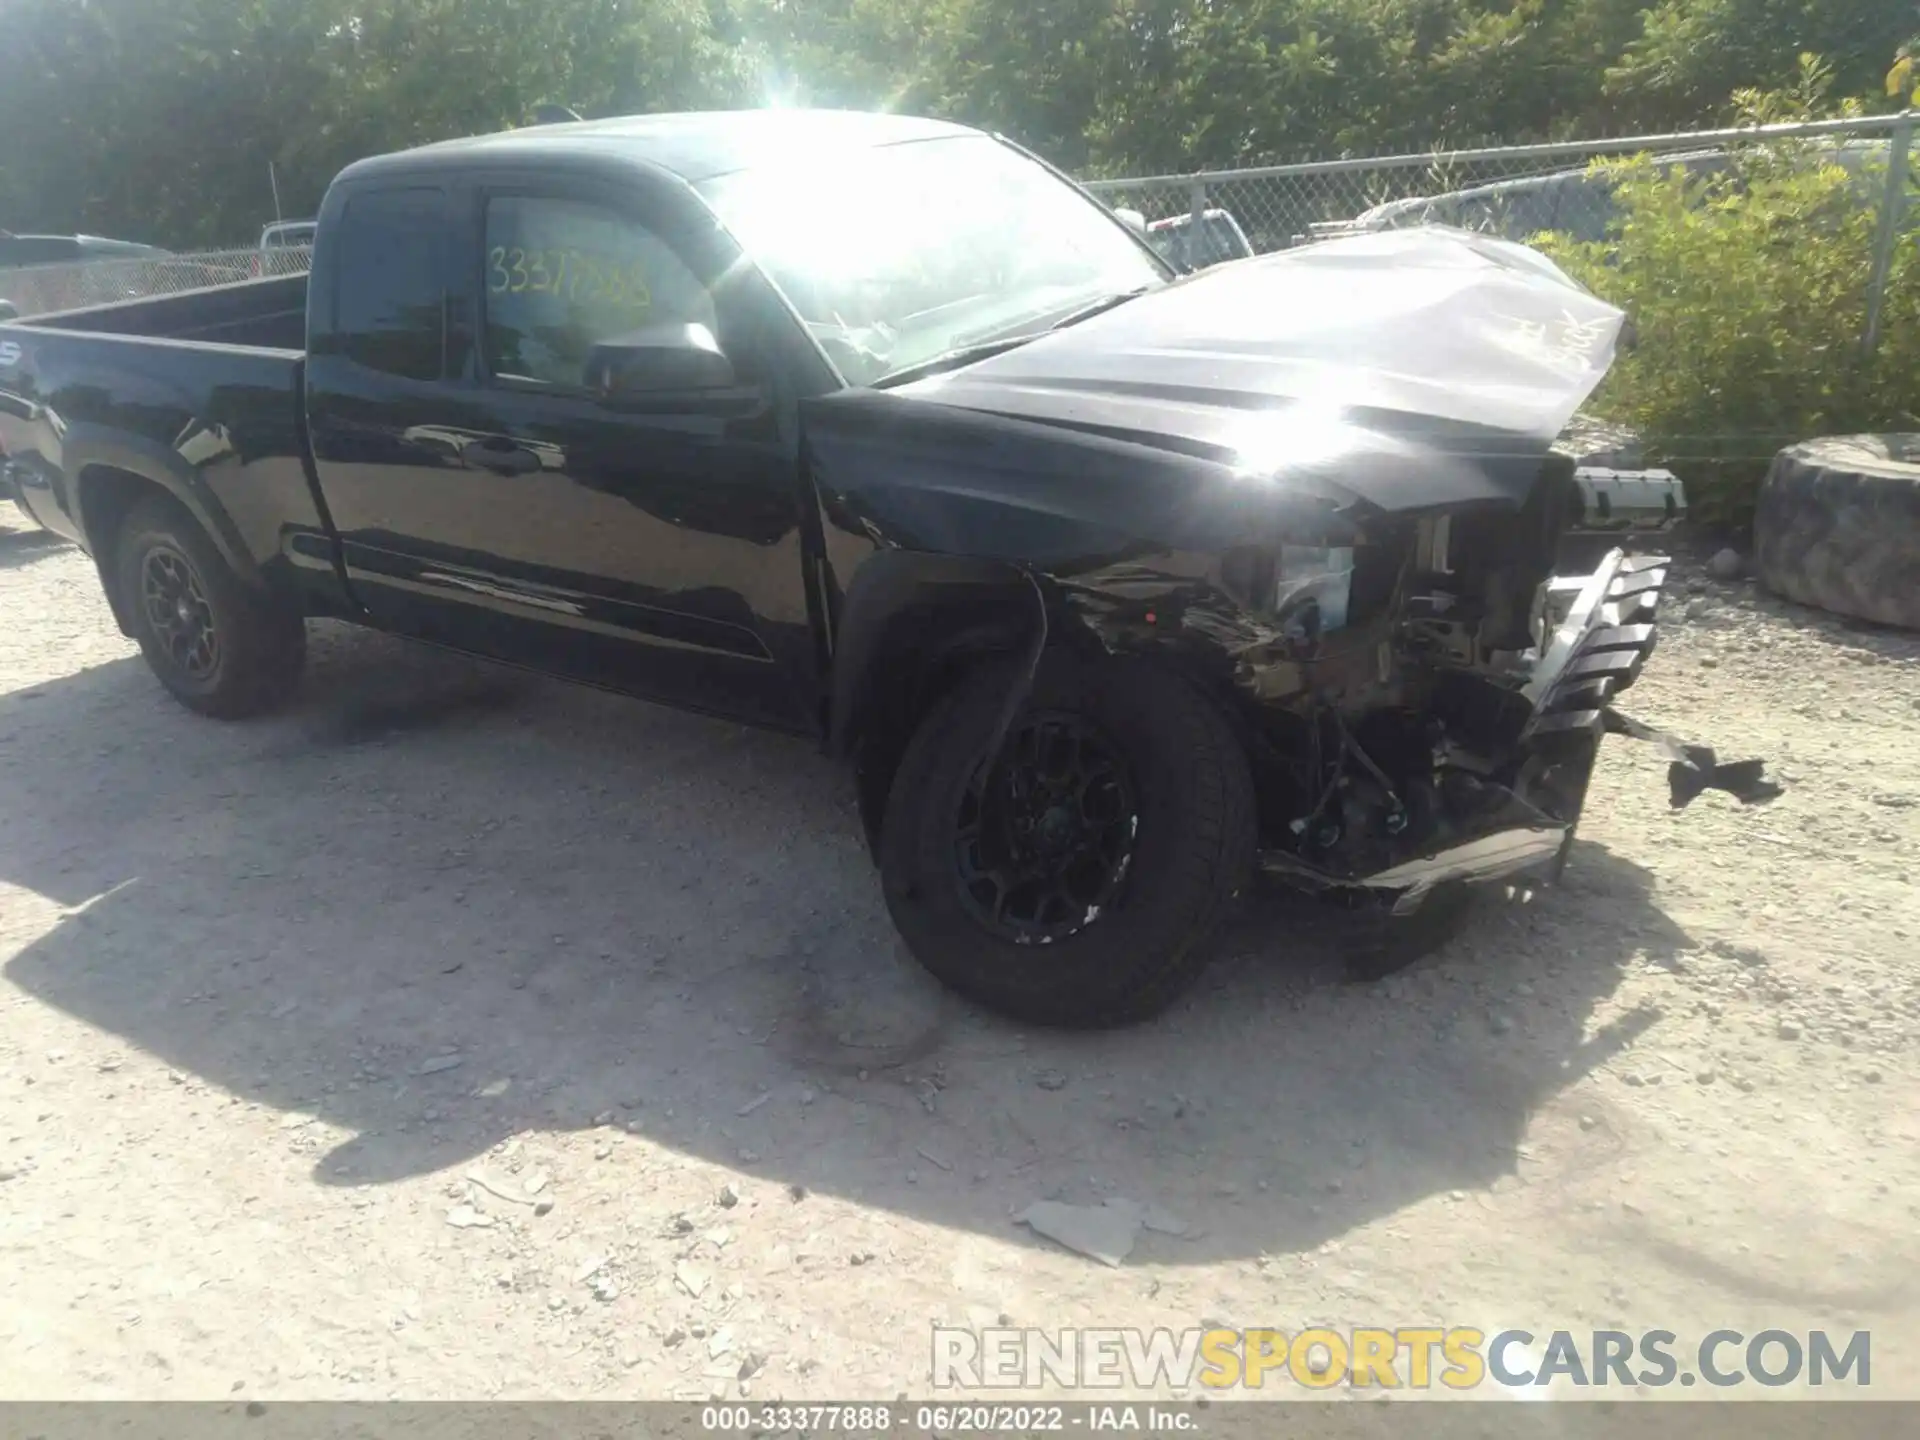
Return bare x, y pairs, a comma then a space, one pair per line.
22, 547
438, 905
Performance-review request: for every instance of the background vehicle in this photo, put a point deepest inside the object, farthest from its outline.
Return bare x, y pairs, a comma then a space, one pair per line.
1220, 239
877, 430
1577, 203
20, 251
277, 244
288, 235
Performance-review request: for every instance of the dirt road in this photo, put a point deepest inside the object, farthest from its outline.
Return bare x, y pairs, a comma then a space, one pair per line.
273, 993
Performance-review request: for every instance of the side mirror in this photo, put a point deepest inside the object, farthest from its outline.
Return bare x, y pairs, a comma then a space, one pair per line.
1133, 220
657, 359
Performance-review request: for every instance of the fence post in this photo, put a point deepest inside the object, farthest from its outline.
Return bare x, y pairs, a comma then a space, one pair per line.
1892, 209
1197, 198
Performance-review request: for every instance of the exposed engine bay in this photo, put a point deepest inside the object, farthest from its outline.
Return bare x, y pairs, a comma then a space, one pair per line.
1432, 701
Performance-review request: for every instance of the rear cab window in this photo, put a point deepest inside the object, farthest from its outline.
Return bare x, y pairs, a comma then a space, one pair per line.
389, 264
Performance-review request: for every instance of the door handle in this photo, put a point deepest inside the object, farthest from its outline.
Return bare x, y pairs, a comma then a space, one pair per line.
501, 456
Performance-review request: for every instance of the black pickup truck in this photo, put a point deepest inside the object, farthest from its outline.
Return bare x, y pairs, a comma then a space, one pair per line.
1118, 587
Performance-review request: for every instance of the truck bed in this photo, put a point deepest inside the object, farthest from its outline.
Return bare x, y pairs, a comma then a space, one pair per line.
266, 314
197, 395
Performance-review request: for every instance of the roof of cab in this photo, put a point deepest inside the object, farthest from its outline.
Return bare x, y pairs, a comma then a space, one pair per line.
696, 146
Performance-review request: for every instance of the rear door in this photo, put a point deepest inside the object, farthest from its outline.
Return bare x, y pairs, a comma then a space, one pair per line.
657, 547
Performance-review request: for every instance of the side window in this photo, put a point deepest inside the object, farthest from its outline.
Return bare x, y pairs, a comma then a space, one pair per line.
564, 275
389, 282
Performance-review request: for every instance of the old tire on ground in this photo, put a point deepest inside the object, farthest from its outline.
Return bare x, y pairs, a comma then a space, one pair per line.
1082, 881
1838, 526
221, 647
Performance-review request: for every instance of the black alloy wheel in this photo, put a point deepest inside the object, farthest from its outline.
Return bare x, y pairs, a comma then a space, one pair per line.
178, 612
1044, 838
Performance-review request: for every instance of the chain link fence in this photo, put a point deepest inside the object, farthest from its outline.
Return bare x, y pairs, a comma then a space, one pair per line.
45, 289
1516, 192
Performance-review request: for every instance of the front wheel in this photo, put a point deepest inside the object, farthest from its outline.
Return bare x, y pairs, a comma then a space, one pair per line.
1079, 880
220, 647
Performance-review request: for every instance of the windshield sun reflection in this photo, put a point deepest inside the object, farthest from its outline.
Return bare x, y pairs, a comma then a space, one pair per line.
899, 254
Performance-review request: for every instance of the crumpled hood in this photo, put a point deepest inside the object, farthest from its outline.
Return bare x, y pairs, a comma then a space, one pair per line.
1412, 368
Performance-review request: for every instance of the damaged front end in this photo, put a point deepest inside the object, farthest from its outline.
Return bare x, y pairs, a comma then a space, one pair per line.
1321, 484
1414, 722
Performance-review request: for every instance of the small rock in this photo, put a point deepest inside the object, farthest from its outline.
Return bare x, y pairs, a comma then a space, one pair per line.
465, 1217
1705, 1077
1872, 1077
605, 1117
1634, 1080
556, 1303
1788, 1030
673, 1337
751, 1364
754, 1104
1587, 1122
1726, 564
629, 1358
749, 1157
691, 1278
720, 1342
605, 1290
860, 1257
1499, 1024
807, 1097
439, 1063
728, 1196
602, 1152
796, 1192
1050, 1080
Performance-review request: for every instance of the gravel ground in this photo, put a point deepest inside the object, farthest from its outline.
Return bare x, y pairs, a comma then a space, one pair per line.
275, 994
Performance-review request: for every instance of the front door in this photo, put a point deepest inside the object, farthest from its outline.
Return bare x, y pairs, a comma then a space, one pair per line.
653, 545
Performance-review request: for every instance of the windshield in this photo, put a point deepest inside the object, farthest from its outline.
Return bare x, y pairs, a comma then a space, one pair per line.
896, 255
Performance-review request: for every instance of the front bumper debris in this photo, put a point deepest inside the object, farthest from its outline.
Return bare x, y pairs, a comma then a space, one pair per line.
1598, 645
1598, 631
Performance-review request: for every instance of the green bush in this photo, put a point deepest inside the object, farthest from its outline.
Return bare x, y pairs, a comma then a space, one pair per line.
1748, 290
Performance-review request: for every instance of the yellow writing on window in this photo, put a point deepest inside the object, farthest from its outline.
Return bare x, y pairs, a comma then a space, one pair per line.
568, 274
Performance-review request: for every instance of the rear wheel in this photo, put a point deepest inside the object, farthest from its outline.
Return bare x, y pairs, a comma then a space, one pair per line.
220, 647
1080, 879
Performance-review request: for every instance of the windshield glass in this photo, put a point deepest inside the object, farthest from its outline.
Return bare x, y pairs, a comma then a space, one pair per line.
898, 254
